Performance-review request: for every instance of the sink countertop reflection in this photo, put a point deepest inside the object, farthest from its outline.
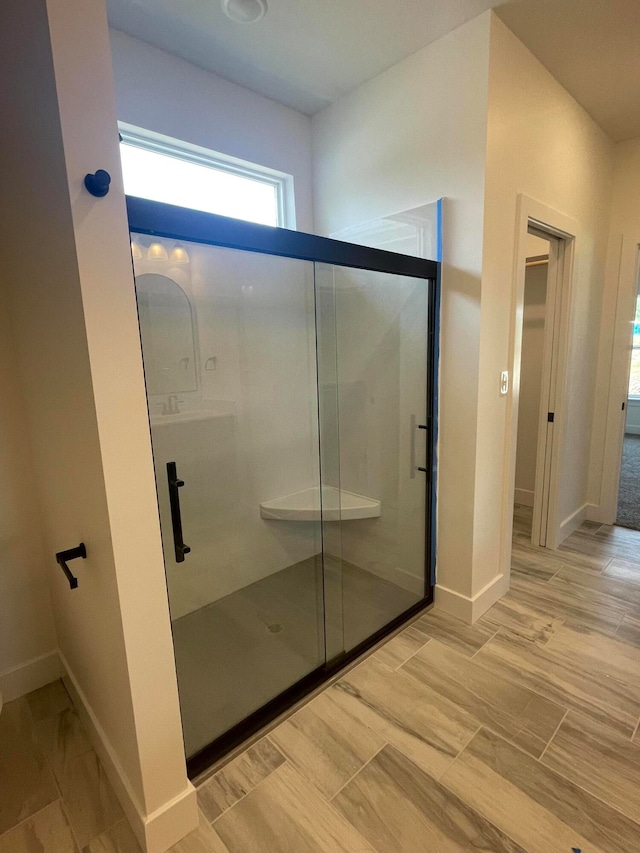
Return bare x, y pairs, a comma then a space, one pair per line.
195, 414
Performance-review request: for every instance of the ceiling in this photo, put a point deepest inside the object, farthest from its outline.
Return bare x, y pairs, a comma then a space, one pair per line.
307, 53
592, 47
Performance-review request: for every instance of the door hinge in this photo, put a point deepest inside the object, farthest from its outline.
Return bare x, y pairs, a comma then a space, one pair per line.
551, 417
623, 405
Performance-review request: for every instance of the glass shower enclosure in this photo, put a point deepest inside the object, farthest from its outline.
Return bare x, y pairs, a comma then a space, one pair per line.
291, 384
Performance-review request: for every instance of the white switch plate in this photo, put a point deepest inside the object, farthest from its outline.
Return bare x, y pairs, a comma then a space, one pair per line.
504, 382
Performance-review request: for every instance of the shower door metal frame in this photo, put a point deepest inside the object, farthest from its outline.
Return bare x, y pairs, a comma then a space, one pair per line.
178, 223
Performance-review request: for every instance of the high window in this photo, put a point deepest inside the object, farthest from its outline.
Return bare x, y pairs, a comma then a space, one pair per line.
177, 173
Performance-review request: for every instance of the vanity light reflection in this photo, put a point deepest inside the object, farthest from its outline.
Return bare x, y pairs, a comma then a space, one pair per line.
157, 252
179, 255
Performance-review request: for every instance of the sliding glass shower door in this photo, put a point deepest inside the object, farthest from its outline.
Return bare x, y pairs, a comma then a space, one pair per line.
246, 599
373, 368
290, 403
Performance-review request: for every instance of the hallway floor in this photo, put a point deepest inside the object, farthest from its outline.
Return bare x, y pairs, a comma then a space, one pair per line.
519, 733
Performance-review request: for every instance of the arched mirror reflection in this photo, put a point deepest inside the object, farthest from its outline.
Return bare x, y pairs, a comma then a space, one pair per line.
166, 328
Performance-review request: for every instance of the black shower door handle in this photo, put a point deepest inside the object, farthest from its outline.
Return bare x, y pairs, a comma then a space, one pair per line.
413, 448
425, 427
175, 484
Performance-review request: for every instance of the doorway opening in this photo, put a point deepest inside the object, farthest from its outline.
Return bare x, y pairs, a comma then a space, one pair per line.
628, 506
540, 388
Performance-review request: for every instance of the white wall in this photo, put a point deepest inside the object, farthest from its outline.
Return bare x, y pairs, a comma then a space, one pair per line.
28, 645
543, 144
377, 151
160, 92
70, 294
413, 134
533, 318
212, 113
615, 333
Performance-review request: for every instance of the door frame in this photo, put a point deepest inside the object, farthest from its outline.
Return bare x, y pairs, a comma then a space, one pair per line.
627, 271
565, 230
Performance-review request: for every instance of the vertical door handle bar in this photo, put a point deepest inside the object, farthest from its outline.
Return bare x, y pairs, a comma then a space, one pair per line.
175, 484
422, 426
414, 426
412, 448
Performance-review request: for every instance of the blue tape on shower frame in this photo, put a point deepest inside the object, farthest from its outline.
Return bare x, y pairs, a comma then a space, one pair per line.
439, 229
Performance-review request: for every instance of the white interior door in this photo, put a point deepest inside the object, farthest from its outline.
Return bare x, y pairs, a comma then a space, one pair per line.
544, 498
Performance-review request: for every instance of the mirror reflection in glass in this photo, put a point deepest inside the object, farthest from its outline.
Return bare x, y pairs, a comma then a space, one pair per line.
166, 327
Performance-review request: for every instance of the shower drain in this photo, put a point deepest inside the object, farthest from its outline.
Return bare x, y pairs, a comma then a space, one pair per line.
275, 628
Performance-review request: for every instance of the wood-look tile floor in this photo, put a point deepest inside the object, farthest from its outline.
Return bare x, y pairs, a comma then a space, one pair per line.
54, 794
519, 733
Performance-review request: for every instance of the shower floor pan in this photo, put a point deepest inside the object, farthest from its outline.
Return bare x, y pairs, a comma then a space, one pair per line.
230, 660
337, 505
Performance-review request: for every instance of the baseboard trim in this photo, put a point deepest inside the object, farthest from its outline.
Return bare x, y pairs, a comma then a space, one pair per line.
471, 608
598, 513
171, 822
162, 828
572, 522
524, 497
30, 675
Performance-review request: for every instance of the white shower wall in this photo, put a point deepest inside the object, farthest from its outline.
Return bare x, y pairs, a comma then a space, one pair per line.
253, 434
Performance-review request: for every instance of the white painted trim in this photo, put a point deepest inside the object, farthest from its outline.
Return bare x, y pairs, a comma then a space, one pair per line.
30, 675
453, 603
596, 513
573, 522
564, 227
171, 822
632, 430
524, 497
164, 827
470, 608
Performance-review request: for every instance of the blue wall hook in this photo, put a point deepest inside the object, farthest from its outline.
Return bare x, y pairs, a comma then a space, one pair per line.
98, 184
